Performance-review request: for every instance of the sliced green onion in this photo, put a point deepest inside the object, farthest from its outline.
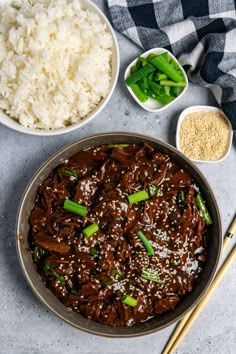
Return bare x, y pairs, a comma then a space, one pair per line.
49, 270
133, 69
93, 251
129, 300
90, 230
201, 205
70, 173
151, 275
159, 93
152, 55
35, 253
138, 197
156, 88
143, 61
165, 56
167, 90
138, 75
46, 267
139, 93
75, 207
117, 274
150, 77
165, 99
146, 243
42, 252
174, 91
74, 291
143, 85
175, 65
161, 63
172, 83
118, 145
114, 276
152, 190
61, 279
138, 63
181, 197
161, 76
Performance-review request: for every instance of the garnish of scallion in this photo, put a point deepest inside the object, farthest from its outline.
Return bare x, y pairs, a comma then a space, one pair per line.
90, 230
138, 197
201, 205
70, 173
37, 253
146, 243
74, 207
129, 300
48, 269
93, 251
151, 275
181, 196
117, 274
42, 252
113, 277
61, 279
118, 145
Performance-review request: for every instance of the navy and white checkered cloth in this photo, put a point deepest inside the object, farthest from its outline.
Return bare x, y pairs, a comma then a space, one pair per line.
200, 33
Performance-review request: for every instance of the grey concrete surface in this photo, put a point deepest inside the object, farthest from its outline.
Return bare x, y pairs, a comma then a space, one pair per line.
26, 326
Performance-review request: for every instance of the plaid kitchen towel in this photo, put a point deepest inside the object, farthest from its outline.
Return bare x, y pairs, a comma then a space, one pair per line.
200, 33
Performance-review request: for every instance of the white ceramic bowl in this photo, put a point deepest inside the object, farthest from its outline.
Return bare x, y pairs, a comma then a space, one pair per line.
14, 124
152, 105
204, 109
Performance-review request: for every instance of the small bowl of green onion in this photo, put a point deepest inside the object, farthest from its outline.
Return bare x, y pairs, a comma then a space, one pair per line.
156, 79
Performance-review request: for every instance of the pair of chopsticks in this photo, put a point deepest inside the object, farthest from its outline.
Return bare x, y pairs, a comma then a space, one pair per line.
185, 324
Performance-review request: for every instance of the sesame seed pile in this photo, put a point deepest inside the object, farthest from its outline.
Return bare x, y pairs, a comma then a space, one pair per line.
91, 275
204, 135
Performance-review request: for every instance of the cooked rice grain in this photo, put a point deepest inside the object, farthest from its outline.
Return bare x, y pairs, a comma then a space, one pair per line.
55, 62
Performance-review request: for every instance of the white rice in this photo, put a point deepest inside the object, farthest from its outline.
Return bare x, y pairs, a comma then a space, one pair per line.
55, 62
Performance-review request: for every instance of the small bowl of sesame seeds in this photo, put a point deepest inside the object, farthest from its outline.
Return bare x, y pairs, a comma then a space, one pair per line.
204, 134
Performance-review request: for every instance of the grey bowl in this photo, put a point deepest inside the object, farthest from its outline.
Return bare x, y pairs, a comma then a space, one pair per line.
76, 320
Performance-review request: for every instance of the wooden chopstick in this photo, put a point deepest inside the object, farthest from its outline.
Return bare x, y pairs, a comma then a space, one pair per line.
181, 324
195, 313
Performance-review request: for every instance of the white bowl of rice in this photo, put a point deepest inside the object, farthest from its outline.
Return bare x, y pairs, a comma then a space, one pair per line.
59, 64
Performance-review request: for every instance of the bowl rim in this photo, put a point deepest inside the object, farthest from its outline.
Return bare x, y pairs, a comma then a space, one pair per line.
203, 108
15, 125
19, 237
157, 50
